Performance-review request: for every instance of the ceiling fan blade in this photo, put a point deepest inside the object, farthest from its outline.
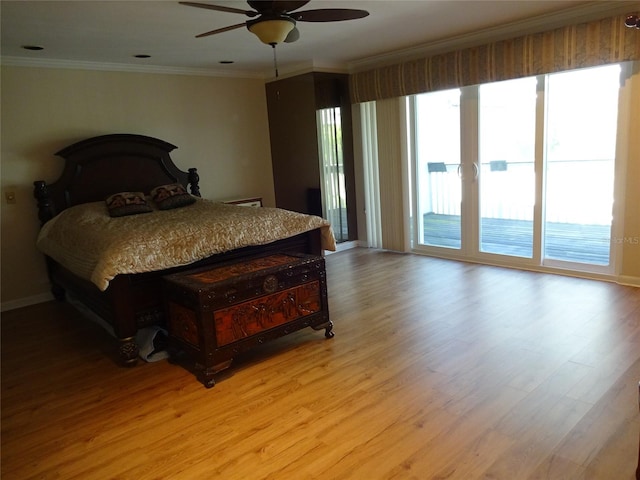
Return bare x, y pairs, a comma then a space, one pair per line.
329, 15
248, 13
276, 6
220, 30
293, 35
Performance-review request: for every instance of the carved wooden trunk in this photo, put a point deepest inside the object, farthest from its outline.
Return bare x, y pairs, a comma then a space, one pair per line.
215, 313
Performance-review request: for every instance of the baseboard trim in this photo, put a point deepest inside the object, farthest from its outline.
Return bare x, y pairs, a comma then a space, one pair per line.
25, 302
628, 281
342, 246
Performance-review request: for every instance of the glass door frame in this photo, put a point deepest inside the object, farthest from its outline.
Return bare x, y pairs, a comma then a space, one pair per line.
470, 187
470, 208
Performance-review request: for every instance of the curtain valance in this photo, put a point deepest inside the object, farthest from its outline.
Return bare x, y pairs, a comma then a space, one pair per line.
588, 44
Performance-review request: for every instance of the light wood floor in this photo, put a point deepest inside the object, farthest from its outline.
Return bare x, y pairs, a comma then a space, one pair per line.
438, 370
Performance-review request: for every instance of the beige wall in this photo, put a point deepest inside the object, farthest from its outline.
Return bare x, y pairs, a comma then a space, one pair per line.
219, 125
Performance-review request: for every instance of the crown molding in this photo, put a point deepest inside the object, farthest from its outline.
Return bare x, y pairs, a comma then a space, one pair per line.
584, 13
303, 68
121, 67
267, 75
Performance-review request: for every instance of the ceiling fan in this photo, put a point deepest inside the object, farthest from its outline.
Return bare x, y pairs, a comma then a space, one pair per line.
274, 21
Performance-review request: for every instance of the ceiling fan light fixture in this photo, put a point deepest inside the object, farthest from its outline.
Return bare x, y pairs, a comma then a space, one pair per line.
632, 21
272, 31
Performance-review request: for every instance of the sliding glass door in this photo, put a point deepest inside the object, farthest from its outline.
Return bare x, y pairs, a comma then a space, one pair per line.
520, 170
499, 171
506, 166
438, 172
582, 113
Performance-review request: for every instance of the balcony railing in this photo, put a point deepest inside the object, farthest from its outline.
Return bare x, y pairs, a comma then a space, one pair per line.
507, 191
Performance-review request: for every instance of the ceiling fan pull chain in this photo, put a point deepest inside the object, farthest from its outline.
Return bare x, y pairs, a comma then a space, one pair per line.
275, 60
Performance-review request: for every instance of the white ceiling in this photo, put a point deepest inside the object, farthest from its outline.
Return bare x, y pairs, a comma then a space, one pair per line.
107, 34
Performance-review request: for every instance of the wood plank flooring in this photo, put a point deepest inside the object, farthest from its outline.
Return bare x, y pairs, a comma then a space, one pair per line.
438, 370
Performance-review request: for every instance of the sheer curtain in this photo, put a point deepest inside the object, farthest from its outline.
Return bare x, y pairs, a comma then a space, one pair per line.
369, 130
384, 190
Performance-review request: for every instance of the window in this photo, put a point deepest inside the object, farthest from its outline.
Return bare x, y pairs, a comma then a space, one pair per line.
334, 194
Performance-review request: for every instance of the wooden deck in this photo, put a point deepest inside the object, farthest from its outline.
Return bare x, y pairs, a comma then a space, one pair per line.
570, 242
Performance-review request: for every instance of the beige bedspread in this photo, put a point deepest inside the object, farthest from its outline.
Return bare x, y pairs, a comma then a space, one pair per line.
96, 247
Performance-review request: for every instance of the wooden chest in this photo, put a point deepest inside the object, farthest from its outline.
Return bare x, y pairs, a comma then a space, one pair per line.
215, 313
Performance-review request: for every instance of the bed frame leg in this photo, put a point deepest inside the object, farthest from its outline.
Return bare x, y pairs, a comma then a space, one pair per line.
124, 319
128, 351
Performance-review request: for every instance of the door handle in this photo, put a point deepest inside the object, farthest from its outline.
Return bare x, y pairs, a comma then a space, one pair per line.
476, 170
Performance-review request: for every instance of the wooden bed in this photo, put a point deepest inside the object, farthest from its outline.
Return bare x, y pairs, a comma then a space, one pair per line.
100, 166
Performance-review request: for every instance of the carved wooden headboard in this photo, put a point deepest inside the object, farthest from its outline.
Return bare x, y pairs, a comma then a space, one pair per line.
100, 166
